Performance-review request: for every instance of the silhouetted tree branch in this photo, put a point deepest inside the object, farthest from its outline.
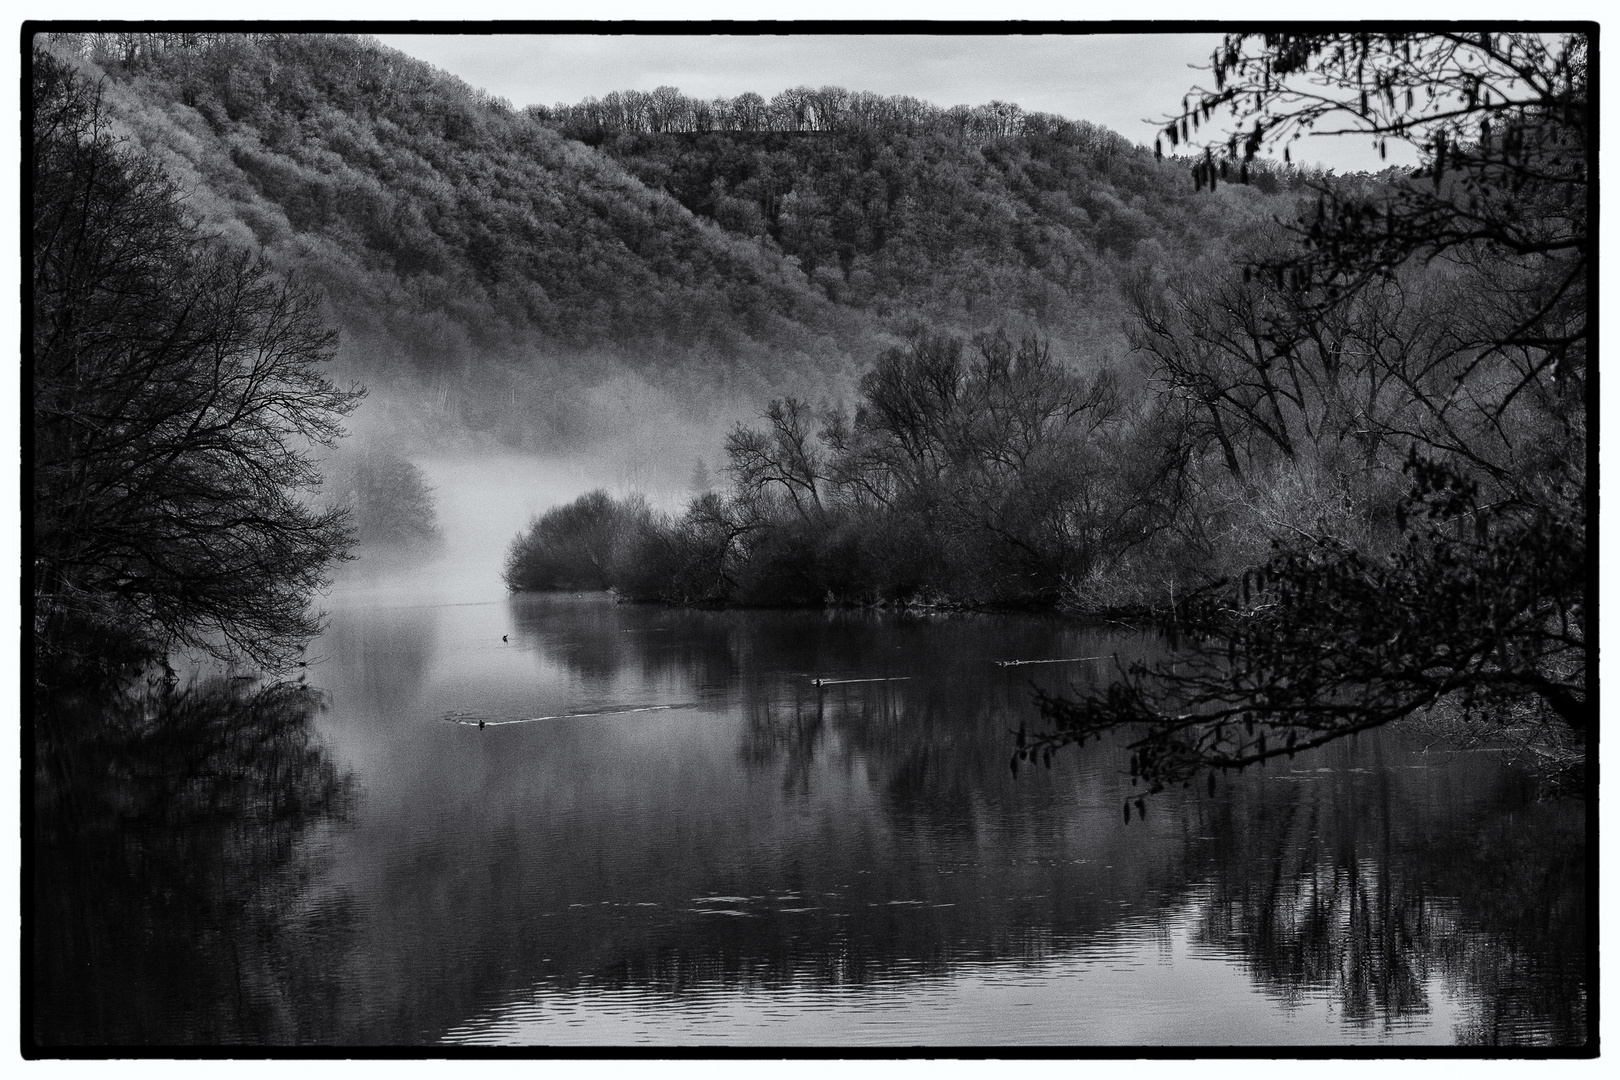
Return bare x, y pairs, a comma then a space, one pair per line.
1323, 641
177, 394
1479, 592
1501, 121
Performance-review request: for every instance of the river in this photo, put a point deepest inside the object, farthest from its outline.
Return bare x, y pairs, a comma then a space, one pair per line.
572, 822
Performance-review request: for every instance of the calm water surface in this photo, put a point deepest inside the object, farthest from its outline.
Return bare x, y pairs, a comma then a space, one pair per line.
665, 834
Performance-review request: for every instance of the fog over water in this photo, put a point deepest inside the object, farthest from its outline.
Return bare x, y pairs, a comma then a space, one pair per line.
484, 500
668, 835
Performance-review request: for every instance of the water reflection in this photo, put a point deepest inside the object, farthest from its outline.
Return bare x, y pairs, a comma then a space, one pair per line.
769, 837
768, 861
1374, 873
175, 893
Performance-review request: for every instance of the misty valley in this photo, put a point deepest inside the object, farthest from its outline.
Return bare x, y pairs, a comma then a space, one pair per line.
827, 570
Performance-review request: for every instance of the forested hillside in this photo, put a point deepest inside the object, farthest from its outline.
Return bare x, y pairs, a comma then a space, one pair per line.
467, 252
519, 275
981, 217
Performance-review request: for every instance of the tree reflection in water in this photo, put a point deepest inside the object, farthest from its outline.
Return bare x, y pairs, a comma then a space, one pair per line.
1376, 881
173, 898
1373, 874
774, 836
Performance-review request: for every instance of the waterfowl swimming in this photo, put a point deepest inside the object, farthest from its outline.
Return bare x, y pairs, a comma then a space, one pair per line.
503, 637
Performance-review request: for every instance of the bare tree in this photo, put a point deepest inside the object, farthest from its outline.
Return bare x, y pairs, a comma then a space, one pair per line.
786, 457
177, 395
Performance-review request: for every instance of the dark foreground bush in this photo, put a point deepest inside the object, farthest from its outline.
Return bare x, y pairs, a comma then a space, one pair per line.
587, 544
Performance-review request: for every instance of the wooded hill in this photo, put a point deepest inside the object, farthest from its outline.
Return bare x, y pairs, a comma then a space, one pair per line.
973, 216
487, 266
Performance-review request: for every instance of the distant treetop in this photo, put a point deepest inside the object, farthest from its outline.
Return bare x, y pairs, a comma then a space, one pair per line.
803, 109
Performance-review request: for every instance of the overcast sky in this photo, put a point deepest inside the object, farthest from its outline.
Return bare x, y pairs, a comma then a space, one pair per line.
1121, 82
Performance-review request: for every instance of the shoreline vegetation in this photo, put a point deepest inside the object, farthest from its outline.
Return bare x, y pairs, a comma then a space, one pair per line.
980, 477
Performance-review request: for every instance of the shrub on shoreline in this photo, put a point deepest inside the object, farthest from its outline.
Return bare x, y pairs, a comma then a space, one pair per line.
587, 544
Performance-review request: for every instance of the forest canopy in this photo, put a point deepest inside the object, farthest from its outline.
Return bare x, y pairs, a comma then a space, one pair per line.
487, 266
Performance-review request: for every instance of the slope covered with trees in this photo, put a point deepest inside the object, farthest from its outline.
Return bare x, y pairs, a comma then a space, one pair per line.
465, 251
488, 266
978, 218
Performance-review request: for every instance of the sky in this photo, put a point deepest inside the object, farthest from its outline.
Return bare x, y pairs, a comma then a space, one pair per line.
1124, 82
